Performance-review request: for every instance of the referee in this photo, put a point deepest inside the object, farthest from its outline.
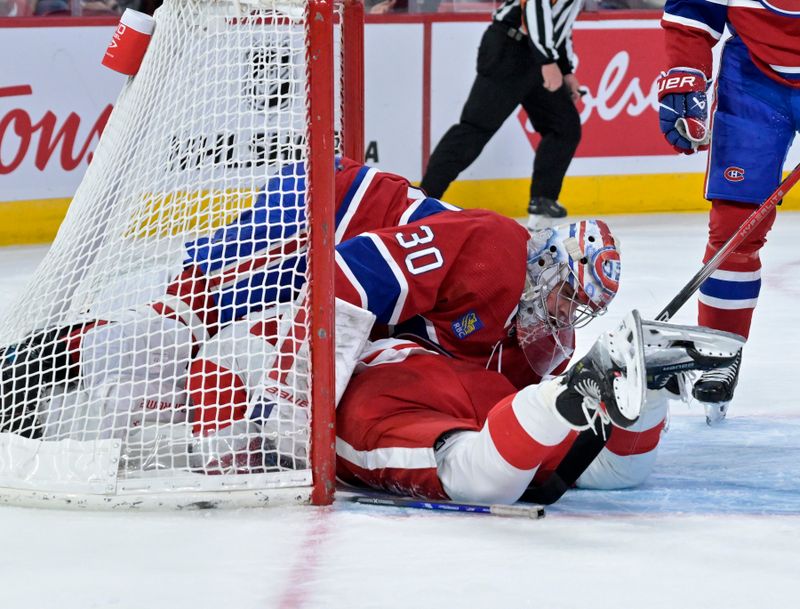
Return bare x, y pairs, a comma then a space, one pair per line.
525, 57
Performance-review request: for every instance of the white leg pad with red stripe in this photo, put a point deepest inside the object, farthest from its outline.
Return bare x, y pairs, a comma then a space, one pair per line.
353, 325
134, 368
496, 464
630, 455
283, 394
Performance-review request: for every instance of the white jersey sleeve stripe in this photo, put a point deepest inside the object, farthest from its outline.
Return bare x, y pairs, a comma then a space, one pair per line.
400, 303
692, 23
383, 458
362, 294
409, 211
352, 205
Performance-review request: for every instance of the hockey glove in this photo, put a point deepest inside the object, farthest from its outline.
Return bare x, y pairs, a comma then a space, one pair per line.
683, 109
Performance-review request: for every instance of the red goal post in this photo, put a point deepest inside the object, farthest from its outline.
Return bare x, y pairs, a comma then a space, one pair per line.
137, 362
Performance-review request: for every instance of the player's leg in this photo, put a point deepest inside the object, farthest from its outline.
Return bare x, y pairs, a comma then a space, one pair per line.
250, 383
504, 75
605, 392
728, 298
497, 463
100, 379
753, 127
630, 454
537, 425
397, 410
556, 119
106, 376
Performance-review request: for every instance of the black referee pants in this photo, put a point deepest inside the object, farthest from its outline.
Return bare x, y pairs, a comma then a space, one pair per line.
507, 77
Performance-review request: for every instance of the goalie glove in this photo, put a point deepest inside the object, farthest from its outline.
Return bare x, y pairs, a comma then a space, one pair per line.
683, 109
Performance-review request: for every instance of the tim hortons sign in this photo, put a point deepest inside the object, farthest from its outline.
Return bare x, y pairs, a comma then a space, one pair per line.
48, 137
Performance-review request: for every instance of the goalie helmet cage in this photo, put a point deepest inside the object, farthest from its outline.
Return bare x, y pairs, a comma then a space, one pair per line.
174, 349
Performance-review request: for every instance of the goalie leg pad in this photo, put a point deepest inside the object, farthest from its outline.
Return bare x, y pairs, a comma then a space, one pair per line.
496, 464
281, 401
132, 372
353, 325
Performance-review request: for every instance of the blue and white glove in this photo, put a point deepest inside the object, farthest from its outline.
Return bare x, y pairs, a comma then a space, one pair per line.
683, 109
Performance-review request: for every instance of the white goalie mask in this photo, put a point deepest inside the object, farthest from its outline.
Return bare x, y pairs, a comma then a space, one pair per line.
572, 275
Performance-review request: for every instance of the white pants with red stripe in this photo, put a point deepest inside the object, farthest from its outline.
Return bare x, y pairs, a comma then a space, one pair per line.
497, 463
630, 454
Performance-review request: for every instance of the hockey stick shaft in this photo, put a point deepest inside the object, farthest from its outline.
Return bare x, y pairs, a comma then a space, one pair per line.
514, 511
752, 221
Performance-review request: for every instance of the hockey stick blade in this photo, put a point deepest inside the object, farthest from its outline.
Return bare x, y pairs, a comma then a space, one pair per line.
752, 221
534, 512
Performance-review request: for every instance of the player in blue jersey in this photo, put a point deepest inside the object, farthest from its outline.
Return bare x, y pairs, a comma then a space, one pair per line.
756, 116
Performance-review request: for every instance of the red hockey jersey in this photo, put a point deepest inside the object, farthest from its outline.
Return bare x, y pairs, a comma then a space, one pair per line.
769, 28
452, 281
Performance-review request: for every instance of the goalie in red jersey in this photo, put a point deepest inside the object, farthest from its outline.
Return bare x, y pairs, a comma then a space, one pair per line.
459, 399
467, 407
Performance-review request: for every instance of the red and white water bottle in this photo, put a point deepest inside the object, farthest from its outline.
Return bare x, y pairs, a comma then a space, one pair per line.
129, 43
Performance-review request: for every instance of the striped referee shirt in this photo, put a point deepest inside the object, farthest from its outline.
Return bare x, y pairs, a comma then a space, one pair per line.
548, 24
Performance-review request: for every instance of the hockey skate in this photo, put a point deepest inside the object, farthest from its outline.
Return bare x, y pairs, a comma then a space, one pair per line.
607, 385
542, 211
671, 350
715, 390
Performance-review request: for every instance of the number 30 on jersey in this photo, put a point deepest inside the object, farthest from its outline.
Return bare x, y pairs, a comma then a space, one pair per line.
420, 259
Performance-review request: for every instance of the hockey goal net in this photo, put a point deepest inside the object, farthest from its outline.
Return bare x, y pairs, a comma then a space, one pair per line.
162, 354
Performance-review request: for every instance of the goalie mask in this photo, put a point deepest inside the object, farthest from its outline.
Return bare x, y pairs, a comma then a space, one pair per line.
572, 276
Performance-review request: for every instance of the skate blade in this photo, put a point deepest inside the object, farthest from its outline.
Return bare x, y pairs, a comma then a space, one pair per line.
626, 348
708, 342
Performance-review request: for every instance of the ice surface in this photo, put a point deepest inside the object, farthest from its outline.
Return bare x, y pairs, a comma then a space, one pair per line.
716, 526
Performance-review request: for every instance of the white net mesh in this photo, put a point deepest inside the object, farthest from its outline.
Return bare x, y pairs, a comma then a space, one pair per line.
162, 344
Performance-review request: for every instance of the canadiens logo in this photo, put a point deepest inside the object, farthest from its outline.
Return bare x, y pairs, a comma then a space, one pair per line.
607, 269
467, 324
734, 174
